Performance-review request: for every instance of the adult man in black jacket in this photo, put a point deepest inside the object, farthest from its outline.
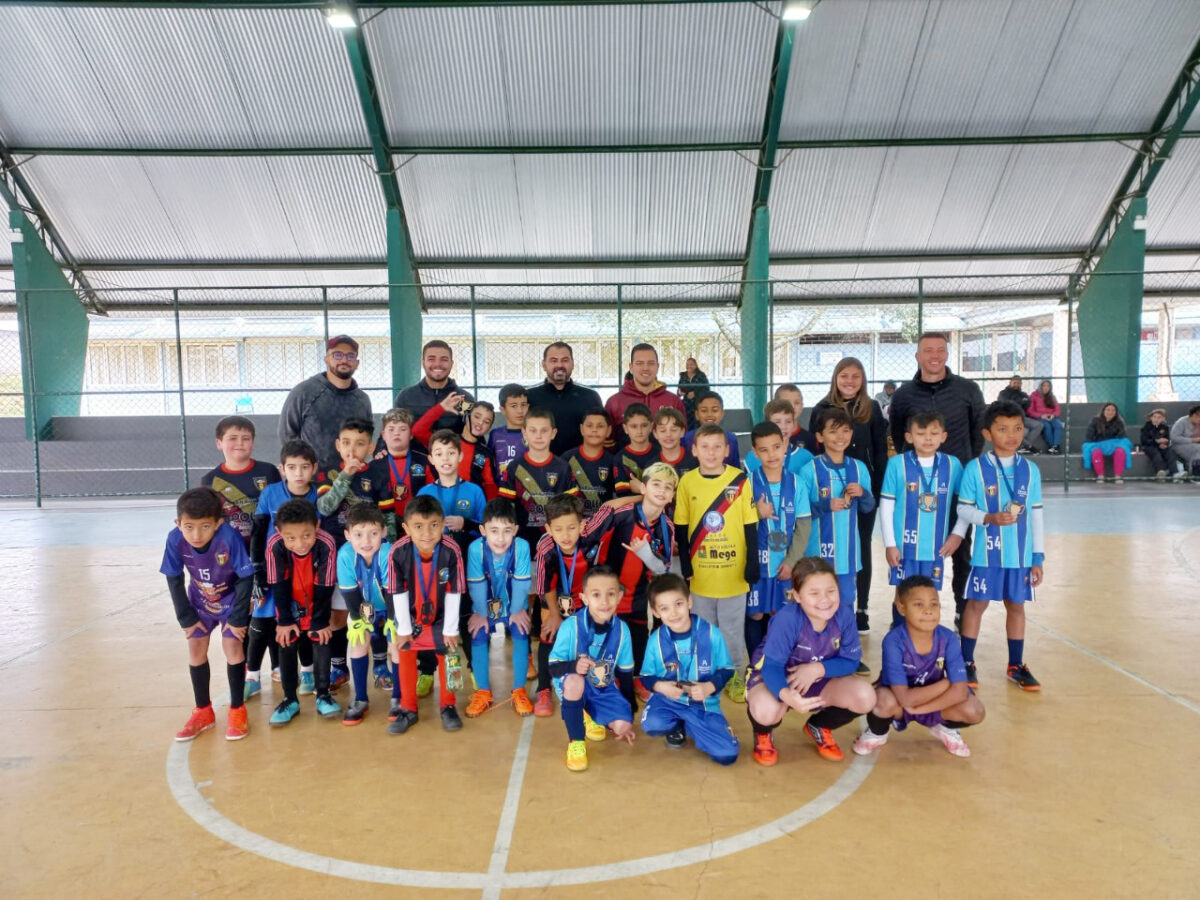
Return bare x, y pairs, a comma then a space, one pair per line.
567, 400
437, 359
960, 402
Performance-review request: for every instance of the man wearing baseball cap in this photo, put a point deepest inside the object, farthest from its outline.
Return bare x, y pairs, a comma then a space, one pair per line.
316, 407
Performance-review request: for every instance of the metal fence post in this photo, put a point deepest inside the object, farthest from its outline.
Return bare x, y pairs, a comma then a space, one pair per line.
620, 334
27, 338
474, 348
325, 314
920, 306
1072, 285
179, 378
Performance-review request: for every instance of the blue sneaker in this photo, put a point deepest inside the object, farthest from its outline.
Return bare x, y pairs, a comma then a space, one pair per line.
308, 684
338, 678
252, 687
327, 706
285, 712
383, 677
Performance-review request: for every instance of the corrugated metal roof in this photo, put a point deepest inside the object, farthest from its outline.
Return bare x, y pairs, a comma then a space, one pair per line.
942, 198
945, 68
583, 74
1174, 199
281, 208
983, 272
174, 78
568, 205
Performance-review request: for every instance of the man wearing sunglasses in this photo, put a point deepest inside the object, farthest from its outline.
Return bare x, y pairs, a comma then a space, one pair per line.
317, 406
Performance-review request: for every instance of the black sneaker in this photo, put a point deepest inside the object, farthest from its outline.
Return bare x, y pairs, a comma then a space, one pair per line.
450, 719
972, 676
863, 670
393, 709
677, 737
405, 720
864, 623
1024, 449
355, 712
1023, 678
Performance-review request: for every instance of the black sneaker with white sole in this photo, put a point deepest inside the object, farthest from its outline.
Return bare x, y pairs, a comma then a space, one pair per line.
676, 738
864, 621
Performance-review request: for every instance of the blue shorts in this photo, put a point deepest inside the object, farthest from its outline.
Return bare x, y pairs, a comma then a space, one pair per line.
491, 629
931, 569
606, 704
994, 583
767, 596
709, 730
847, 588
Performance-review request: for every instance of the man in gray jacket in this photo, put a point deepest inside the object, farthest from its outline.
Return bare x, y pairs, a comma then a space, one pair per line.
316, 407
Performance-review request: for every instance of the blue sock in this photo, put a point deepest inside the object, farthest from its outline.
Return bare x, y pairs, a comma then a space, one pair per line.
392, 667
480, 658
1016, 652
358, 665
572, 713
520, 659
968, 648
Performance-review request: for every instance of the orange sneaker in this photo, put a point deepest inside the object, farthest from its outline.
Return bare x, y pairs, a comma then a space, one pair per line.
643, 694
827, 747
201, 719
544, 705
481, 702
765, 753
521, 703
238, 727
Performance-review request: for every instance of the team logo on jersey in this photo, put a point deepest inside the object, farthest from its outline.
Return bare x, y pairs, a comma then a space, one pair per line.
941, 662
837, 643
366, 483
552, 478
824, 492
418, 470
714, 521
222, 557
602, 473
462, 505
260, 482
912, 487
991, 490
937, 572
444, 574
731, 493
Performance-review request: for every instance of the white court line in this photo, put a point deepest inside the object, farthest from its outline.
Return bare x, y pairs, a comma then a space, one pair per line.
508, 814
1116, 667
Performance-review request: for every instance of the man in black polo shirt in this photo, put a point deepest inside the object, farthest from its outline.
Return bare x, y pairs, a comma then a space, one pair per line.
437, 359
960, 401
567, 400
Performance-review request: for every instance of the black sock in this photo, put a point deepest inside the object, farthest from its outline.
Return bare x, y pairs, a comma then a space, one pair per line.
832, 717
337, 646
878, 724
949, 723
200, 676
237, 683
289, 669
759, 727
755, 630
544, 649
322, 654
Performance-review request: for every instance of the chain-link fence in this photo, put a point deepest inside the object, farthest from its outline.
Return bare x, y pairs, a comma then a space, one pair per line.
165, 364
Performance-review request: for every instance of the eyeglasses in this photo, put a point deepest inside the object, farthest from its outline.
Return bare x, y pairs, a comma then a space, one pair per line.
341, 355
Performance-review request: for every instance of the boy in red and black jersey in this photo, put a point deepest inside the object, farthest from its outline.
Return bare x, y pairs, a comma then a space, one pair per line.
401, 469
597, 473
536, 477
239, 479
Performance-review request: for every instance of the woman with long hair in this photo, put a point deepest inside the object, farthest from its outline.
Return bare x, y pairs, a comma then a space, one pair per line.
692, 382
1044, 407
1107, 436
848, 391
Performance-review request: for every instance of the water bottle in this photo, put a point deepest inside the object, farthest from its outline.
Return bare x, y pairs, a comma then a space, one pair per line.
454, 670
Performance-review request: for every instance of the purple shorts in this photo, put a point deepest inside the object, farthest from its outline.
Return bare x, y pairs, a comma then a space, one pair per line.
926, 719
756, 677
209, 621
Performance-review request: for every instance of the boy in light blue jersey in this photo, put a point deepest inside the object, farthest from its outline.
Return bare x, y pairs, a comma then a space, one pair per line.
782, 414
918, 489
361, 576
1001, 495
499, 573
686, 666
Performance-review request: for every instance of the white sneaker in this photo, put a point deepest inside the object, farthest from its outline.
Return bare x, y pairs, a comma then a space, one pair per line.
1118, 480
1160, 475
951, 740
1099, 479
868, 742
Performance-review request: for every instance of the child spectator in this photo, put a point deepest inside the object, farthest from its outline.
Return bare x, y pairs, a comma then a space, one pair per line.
1001, 493
1106, 436
800, 437
402, 468
302, 574
686, 666
716, 527
298, 464
918, 488
780, 413
499, 572
807, 664
220, 579
784, 522
1156, 444
923, 678
239, 479
669, 425
639, 450
536, 477
1044, 407
475, 462
506, 443
591, 655
710, 410
361, 576
1185, 441
596, 472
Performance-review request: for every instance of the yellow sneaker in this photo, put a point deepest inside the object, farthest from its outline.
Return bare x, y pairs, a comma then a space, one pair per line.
424, 685
735, 690
577, 756
593, 730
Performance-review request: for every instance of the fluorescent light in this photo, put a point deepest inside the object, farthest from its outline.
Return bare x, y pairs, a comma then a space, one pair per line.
797, 10
340, 17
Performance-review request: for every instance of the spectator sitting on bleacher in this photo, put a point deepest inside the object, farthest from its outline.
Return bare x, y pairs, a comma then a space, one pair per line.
1106, 436
1185, 440
1033, 427
1156, 444
1044, 407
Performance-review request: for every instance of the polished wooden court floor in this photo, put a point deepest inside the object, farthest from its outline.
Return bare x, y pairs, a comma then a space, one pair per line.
1088, 789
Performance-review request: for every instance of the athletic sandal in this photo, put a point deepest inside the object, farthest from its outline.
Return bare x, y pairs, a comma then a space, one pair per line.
951, 740
972, 676
868, 742
765, 753
355, 712
593, 729
544, 705
238, 727
201, 719
424, 685
405, 720
827, 747
481, 702
521, 703
577, 756
450, 719
1023, 678
285, 712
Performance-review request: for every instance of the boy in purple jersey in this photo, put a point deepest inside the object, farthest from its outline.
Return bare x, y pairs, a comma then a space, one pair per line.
506, 442
924, 679
807, 663
220, 574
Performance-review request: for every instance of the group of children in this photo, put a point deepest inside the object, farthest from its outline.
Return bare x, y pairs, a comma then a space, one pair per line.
356, 573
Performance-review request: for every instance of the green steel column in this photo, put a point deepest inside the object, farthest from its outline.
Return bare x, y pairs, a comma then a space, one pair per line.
1110, 316
404, 306
54, 332
755, 314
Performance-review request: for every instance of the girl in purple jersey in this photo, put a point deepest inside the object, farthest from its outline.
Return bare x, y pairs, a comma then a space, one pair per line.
807, 663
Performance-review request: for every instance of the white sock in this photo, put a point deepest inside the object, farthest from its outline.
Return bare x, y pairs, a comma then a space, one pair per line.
306, 669
252, 676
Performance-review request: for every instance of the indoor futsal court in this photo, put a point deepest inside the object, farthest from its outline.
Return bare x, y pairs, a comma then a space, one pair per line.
660, 351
